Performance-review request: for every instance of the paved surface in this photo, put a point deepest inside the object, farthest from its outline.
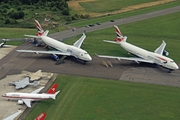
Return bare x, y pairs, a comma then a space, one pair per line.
122, 70
10, 107
15, 62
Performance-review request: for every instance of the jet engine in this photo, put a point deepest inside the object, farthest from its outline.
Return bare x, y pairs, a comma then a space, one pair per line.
165, 53
20, 102
55, 57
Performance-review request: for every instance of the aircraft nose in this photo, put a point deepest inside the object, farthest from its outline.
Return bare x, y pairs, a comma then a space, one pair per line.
89, 58
177, 67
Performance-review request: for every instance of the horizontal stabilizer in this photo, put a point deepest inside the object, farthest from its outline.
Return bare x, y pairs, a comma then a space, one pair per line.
46, 32
32, 36
111, 41
54, 96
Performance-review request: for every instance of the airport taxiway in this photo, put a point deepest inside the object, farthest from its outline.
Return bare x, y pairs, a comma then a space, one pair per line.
122, 70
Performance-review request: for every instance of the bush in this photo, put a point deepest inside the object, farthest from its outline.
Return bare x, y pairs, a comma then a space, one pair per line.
6, 6
65, 11
54, 8
19, 8
7, 21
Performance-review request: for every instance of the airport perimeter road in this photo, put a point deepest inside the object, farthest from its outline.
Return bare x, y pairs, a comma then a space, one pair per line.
15, 62
69, 33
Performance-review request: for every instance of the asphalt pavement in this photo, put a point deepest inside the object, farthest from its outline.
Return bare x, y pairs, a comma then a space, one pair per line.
15, 62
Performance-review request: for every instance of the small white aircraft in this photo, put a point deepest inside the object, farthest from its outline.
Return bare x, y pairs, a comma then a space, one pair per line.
142, 55
23, 83
27, 98
13, 116
3, 44
62, 48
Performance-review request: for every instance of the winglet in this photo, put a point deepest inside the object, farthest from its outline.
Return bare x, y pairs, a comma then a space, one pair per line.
52, 90
41, 116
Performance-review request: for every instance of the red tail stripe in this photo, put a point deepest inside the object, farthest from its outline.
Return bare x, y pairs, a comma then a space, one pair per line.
38, 25
118, 31
41, 116
52, 90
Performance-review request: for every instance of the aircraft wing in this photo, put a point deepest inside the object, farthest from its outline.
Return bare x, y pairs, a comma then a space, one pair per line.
18, 86
79, 42
45, 52
160, 49
38, 90
11, 117
127, 58
27, 102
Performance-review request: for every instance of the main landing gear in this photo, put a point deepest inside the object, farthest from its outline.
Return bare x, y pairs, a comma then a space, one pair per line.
61, 60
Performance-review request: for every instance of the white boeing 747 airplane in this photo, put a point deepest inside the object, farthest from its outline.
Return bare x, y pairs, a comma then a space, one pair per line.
142, 55
27, 98
62, 48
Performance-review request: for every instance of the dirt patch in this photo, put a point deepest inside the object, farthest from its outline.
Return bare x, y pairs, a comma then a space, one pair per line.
80, 10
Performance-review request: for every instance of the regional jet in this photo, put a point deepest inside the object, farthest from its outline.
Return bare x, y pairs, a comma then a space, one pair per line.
62, 48
23, 83
27, 98
142, 55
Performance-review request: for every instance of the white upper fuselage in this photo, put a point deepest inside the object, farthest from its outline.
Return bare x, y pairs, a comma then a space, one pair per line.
33, 97
144, 54
72, 50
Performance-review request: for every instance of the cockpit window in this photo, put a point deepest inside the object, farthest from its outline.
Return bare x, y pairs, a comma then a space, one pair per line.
85, 53
172, 61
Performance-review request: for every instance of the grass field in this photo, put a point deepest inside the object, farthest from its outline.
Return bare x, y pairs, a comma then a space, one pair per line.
19, 32
83, 98
100, 6
16, 32
147, 34
123, 15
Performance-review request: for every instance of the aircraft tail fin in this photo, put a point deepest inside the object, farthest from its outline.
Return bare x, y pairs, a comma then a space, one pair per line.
40, 30
2, 44
41, 116
35, 83
52, 90
120, 37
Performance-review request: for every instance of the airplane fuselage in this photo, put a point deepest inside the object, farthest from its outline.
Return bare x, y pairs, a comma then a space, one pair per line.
34, 97
147, 55
78, 53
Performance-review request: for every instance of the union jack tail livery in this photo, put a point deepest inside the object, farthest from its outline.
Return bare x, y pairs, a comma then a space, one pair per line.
52, 90
119, 35
40, 30
41, 116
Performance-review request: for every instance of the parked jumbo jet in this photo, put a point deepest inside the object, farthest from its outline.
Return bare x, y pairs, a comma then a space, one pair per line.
62, 48
142, 55
27, 98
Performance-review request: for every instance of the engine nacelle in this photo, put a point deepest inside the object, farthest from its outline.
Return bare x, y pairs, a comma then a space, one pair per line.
20, 102
165, 53
55, 57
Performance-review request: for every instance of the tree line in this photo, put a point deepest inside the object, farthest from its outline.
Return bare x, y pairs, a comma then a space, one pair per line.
10, 12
